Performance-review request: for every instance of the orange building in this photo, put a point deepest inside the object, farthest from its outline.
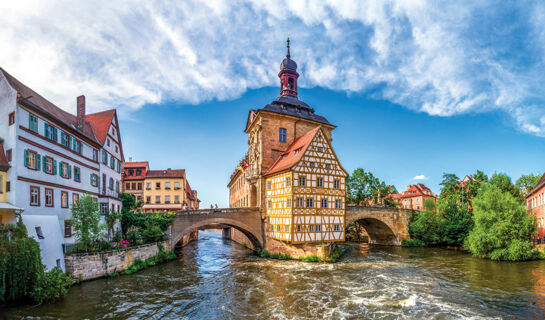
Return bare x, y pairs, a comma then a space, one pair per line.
133, 174
535, 203
414, 197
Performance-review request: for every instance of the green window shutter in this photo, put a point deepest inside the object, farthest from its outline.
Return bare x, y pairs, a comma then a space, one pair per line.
98, 181
44, 167
54, 167
60, 169
26, 158
46, 130
55, 135
38, 162
63, 138
69, 171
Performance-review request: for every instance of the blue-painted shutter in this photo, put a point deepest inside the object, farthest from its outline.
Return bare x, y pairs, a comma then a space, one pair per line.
55, 167
46, 130
38, 162
55, 135
98, 181
26, 158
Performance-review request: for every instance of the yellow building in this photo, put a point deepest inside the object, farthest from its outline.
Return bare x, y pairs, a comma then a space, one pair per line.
168, 190
305, 192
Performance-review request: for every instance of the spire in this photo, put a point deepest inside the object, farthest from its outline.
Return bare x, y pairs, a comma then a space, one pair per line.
288, 45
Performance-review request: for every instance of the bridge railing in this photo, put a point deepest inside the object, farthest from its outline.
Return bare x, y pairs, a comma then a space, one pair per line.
217, 210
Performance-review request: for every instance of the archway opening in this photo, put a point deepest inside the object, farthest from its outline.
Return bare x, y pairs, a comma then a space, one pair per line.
377, 231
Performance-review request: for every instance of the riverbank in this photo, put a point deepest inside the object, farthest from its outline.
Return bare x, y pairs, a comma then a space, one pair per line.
217, 279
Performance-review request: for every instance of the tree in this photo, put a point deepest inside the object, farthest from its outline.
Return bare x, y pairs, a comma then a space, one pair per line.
425, 226
360, 186
110, 219
503, 182
85, 219
429, 205
449, 184
455, 221
503, 228
526, 183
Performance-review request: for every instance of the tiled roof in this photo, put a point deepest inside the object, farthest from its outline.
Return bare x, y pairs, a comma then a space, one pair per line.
135, 164
190, 194
101, 123
294, 107
417, 190
47, 107
294, 152
168, 173
4, 164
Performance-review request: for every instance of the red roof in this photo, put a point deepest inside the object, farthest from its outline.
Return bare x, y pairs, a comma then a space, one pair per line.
135, 164
416, 190
294, 153
33, 99
101, 123
168, 173
4, 164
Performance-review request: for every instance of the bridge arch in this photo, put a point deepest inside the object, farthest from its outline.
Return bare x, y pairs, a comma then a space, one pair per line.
246, 220
386, 226
379, 232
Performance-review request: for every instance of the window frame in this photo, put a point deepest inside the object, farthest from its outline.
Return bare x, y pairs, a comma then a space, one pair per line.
323, 203
77, 177
304, 180
52, 197
11, 118
75, 199
30, 117
68, 226
309, 203
282, 135
32, 188
63, 194
319, 182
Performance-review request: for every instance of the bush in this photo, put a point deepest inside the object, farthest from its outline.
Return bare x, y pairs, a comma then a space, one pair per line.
413, 243
51, 286
312, 258
152, 232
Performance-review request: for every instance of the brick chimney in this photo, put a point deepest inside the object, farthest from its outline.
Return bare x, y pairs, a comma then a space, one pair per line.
81, 112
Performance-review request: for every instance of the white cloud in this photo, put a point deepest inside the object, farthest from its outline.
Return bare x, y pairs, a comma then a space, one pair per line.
420, 177
441, 58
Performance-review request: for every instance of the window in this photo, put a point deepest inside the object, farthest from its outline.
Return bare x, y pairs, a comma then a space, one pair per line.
148, 186
302, 181
11, 118
157, 199
8, 155
64, 199
287, 229
158, 185
288, 182
269, 185
108, 142
112, 162
288, 203
65, 139
49, 165
300, 202
311, 228
33, 123
312, 164
32, 160
94, 180
328, 166
34, 196
336, 227
167, 185
282, 135
75, 144
176, 185
278, 228
148, 199
39, 232
133, 185
269, 204
95, 155
103, 208
50, 132
67, 228
309, 202
320, 182
338, 204
298, 228
324, 203
318, 228
75, 199
116, 149
167, 199
131, 172
336, 184
176, 199
111, 184
48, 197
104, 157
64, 170
117, 186
77, 174
319, 149
139, 185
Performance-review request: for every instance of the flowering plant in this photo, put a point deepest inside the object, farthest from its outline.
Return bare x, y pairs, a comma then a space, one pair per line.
134, 236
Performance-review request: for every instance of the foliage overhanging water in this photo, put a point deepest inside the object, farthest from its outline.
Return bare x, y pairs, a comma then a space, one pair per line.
217, 279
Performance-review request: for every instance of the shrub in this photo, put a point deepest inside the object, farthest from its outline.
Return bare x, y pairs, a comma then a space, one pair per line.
312, 258
134, 236
51, 286
413, 243
152, 232
85, 220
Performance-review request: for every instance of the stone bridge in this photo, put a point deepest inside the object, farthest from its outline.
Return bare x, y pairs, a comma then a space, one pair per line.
246, 220
387, 226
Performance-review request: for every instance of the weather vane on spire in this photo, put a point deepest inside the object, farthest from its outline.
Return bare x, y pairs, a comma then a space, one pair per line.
288, 45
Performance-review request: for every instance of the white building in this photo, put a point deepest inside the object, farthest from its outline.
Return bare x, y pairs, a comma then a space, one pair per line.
55, 157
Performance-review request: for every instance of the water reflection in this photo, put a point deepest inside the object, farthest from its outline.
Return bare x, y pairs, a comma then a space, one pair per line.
216, 279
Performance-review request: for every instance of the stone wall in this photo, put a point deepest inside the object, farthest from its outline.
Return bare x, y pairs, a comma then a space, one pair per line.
297, 251
88, 266
240, 238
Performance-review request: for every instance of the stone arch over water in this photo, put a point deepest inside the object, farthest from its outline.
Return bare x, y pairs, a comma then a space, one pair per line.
386, 226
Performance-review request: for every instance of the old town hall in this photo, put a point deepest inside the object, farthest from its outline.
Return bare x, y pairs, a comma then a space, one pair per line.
291, 171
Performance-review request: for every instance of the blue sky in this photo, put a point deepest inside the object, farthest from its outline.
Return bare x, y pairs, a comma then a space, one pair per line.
416, 87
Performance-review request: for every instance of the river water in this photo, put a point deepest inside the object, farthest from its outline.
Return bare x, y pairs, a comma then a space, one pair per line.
218, 279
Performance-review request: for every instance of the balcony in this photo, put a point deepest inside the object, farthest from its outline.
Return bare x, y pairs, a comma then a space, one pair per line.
109, 193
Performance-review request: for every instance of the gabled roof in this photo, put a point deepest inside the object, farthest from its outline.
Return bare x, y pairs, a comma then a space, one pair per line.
538, 186
417, 190
4, 164
168, 173
32, 99
101, 123
294, 153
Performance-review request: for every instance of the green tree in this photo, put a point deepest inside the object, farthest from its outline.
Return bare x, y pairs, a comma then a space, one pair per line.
455, 220
110, 219
85, 219
503, 228
526, 183
128, 202
449, 185
426, 226
429, 205
360, 186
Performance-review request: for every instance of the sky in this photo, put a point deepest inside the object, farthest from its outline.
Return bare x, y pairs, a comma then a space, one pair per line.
416, 88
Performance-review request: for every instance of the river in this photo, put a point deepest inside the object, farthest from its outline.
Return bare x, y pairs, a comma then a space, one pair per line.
218, 279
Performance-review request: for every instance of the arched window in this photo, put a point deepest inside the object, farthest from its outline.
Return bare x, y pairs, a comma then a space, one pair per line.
282, 135
290, 83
